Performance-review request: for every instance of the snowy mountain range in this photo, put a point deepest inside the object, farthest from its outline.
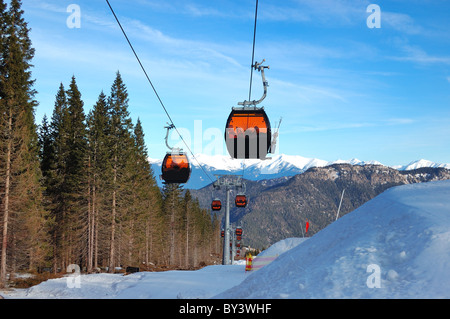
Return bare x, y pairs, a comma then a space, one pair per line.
281, 165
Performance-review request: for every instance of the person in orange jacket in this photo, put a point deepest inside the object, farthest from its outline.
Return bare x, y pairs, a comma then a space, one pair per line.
248, 262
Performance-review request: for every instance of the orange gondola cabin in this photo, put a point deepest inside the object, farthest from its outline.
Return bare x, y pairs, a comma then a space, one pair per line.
241, 200
248, 133
175, 168
216, 204
247, 130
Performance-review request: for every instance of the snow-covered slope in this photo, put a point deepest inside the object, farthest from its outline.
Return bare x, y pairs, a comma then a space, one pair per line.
281, 247
203, 283
394, 246
280, 165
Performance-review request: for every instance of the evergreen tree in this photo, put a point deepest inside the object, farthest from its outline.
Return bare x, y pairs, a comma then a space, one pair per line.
23, 219
216, 238
75, 175
77, 141
46, 151
54, 172
187, 223
3, 26
172, 206
98, 119
147, 197
120, 145
63, 162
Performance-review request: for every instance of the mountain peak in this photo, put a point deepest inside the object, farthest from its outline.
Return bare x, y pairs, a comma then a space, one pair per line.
423, 163
280, 165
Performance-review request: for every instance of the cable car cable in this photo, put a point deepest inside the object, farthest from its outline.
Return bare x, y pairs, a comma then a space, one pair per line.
154, 89
253, 52
251, 69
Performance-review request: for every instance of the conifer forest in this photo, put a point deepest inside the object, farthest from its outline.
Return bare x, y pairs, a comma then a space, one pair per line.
78, 188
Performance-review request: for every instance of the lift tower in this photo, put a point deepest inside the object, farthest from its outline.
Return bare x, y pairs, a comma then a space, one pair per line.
228, 182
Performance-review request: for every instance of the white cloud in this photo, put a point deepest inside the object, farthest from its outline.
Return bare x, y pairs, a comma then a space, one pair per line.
198, 11
333, 12
401, 22
418, 55
47, 6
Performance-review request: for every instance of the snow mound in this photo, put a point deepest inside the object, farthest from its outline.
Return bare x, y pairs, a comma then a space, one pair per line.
281, 246
395, 246
176, 284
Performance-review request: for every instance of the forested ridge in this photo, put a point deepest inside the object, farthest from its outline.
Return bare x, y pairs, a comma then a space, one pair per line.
78, 188
279, 208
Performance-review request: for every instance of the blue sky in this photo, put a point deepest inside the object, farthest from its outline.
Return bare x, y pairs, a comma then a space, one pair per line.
342, 89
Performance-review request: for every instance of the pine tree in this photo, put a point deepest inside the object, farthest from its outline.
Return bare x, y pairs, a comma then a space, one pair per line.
119, 143
23, 218
146, 197
53, 163
3, 26
63, 162
98, 119
172, 206
216, 239
187, 221
75, 175
46, 151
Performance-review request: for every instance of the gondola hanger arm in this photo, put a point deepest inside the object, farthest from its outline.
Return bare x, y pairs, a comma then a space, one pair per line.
259, 67
172, 149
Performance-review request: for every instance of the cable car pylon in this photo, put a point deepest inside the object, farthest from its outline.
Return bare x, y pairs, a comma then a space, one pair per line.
229, 183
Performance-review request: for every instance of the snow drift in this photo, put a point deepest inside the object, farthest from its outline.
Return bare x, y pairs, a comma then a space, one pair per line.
394, 246
281, 247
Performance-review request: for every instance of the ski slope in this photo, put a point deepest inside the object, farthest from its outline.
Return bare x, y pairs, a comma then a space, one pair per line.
203, 283
395, 246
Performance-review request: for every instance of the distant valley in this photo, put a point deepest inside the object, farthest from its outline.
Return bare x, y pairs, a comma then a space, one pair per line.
279, 208
286, 191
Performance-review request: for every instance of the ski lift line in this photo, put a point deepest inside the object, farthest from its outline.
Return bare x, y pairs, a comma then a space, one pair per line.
253, 52
251, 68
154, 90
139, 61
